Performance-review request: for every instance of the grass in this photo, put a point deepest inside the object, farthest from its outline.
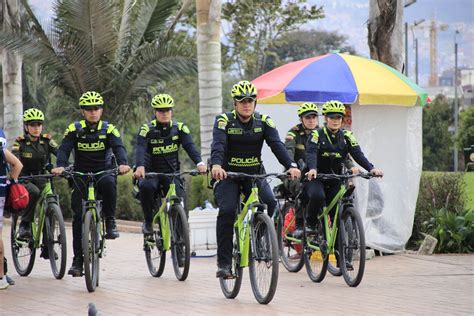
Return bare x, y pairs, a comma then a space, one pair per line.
469, 180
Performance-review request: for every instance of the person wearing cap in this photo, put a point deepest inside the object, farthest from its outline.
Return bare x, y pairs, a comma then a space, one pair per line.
237, 142
157, 146
326, 150
93, 141
295, 143
34, 149
6, 158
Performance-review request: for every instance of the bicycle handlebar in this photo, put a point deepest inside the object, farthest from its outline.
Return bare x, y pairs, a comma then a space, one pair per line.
231, 174
329, 176
193, 172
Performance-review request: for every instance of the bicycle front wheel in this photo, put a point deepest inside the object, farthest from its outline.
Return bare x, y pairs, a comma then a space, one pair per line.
23, 251
180, 248
154, 251
316, 255
90, 249
56, 240
291, 253
263, 261
351, 247
231, 286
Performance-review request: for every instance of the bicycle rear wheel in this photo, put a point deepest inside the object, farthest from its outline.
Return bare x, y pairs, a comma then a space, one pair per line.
23, 251
56, 240
90, 249
316, 260
180, 245
154, 251
263, 259
332, 268
231, 286
351, 247
291, 253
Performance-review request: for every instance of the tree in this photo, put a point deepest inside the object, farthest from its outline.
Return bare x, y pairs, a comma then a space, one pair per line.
118, 48
11, 112
385, 36
465, 136
301, 44
254, 27
437, 141
209, 68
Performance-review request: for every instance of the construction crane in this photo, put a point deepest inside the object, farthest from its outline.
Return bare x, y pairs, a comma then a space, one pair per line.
434, 28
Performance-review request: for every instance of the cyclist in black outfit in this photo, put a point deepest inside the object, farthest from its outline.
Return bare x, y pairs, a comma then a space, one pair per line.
93, 141
238, 138
157, 149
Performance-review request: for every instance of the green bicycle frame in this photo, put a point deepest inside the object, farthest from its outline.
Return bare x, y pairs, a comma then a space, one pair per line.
163, 217
243, 226
37, 229
331, 229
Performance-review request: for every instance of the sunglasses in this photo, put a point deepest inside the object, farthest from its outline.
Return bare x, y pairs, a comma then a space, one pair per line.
163, 110
245, 98
91, 108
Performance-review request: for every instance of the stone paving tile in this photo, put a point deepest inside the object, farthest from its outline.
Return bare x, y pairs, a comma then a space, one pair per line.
398, 285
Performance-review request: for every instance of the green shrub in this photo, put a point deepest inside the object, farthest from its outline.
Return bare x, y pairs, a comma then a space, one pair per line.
437, 190
197, 192
455, 232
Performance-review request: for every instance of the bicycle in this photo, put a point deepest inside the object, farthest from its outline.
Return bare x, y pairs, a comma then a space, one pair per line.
170, 231
319, 245
255, 246
48, 217
93, 225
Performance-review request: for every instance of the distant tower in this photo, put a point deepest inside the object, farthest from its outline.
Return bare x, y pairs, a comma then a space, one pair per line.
433, 80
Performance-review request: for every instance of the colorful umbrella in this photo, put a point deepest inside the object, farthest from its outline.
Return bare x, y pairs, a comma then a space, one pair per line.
349, 79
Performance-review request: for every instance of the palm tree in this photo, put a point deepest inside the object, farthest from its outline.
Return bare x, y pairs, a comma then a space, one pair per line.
119, 48
11, 112
210, 68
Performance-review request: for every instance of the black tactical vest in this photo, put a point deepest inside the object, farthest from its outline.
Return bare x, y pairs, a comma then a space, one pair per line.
163, 147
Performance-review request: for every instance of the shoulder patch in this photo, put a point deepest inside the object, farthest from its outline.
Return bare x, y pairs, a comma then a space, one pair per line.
144, 130
295, 128
111, 129
289, 137
71, 128
350, 136
47, 136
185, 129
269, 122
314, 136
291, 134
20, 138
221, 124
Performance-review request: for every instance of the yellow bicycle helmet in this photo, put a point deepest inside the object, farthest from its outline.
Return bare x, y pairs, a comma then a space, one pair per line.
307, 108
334, 107
33, 116
91, 98
242, 90
162, 101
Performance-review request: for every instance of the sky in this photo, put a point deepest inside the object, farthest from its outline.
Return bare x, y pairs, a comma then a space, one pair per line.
349, 17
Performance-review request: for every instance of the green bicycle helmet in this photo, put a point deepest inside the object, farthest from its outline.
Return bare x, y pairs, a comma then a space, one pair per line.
91, 98
243, 89
162, 101
33, 116
307, 108
334, 107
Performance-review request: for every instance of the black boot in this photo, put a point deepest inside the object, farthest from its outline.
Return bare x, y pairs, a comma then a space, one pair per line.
224, 272
111, 231
76, 268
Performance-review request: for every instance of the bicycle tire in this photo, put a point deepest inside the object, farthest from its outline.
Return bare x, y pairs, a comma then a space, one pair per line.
288, 249
263, 258
23, 252
180, 244
231, 286
154, 253
55, 224
316, 260
351, 247
90, 250
335, 271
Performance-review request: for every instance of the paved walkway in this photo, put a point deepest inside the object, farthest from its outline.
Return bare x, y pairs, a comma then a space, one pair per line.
399, 284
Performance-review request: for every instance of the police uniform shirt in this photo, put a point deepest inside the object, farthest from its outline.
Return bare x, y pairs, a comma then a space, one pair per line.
34, 155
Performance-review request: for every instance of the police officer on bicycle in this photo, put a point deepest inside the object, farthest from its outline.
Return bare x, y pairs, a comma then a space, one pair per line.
327, 148
157, 149
34, 150
238, 138
93, 141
